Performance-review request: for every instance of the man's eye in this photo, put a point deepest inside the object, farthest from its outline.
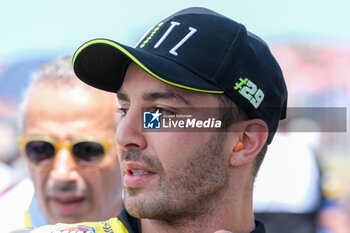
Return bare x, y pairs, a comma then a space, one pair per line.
164, 111
122, 111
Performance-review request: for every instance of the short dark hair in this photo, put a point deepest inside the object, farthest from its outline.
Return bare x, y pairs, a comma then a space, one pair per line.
231, 113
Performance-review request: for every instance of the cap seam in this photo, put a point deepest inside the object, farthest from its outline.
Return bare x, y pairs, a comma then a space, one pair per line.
221, 66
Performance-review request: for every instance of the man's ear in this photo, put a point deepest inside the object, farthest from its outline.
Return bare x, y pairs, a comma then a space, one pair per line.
252, 137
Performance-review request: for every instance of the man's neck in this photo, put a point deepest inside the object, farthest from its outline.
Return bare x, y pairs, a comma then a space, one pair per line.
226, 215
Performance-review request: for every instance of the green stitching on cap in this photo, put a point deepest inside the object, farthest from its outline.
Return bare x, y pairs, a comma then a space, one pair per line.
151, 35
120, 48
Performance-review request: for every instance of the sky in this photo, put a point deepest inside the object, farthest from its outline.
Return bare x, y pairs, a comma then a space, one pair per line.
36, 27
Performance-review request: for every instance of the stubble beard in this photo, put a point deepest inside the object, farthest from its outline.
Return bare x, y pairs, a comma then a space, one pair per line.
189, 190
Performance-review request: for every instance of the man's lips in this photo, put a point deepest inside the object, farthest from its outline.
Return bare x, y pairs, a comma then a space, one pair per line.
67, 204
136, 174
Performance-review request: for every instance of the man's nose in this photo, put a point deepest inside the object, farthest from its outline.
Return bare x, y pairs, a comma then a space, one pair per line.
64, 166
129, 133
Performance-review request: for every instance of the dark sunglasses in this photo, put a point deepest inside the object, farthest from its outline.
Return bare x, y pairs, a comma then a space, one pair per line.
40, 151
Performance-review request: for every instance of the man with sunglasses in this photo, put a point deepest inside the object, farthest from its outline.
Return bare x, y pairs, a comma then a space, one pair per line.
193, 175
67, 140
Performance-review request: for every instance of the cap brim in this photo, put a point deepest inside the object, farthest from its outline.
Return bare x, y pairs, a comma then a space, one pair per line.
102, 63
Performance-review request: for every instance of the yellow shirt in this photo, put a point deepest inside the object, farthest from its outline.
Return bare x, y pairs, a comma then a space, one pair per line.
113, 225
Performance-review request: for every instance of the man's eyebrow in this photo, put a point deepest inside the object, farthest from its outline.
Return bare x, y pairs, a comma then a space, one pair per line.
122, 96
165, 95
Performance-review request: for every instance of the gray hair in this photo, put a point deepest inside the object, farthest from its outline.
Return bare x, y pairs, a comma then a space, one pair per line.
57, 72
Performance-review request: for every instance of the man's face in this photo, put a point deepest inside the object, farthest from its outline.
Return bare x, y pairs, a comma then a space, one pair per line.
167, 175
66, 192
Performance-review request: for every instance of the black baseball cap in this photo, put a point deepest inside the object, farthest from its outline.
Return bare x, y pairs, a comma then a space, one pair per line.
195, 49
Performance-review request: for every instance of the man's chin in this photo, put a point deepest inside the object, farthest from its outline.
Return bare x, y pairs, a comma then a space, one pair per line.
136, 207
68, 218
140, 208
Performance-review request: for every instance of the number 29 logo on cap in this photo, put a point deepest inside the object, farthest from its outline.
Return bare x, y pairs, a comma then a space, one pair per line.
250, 91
